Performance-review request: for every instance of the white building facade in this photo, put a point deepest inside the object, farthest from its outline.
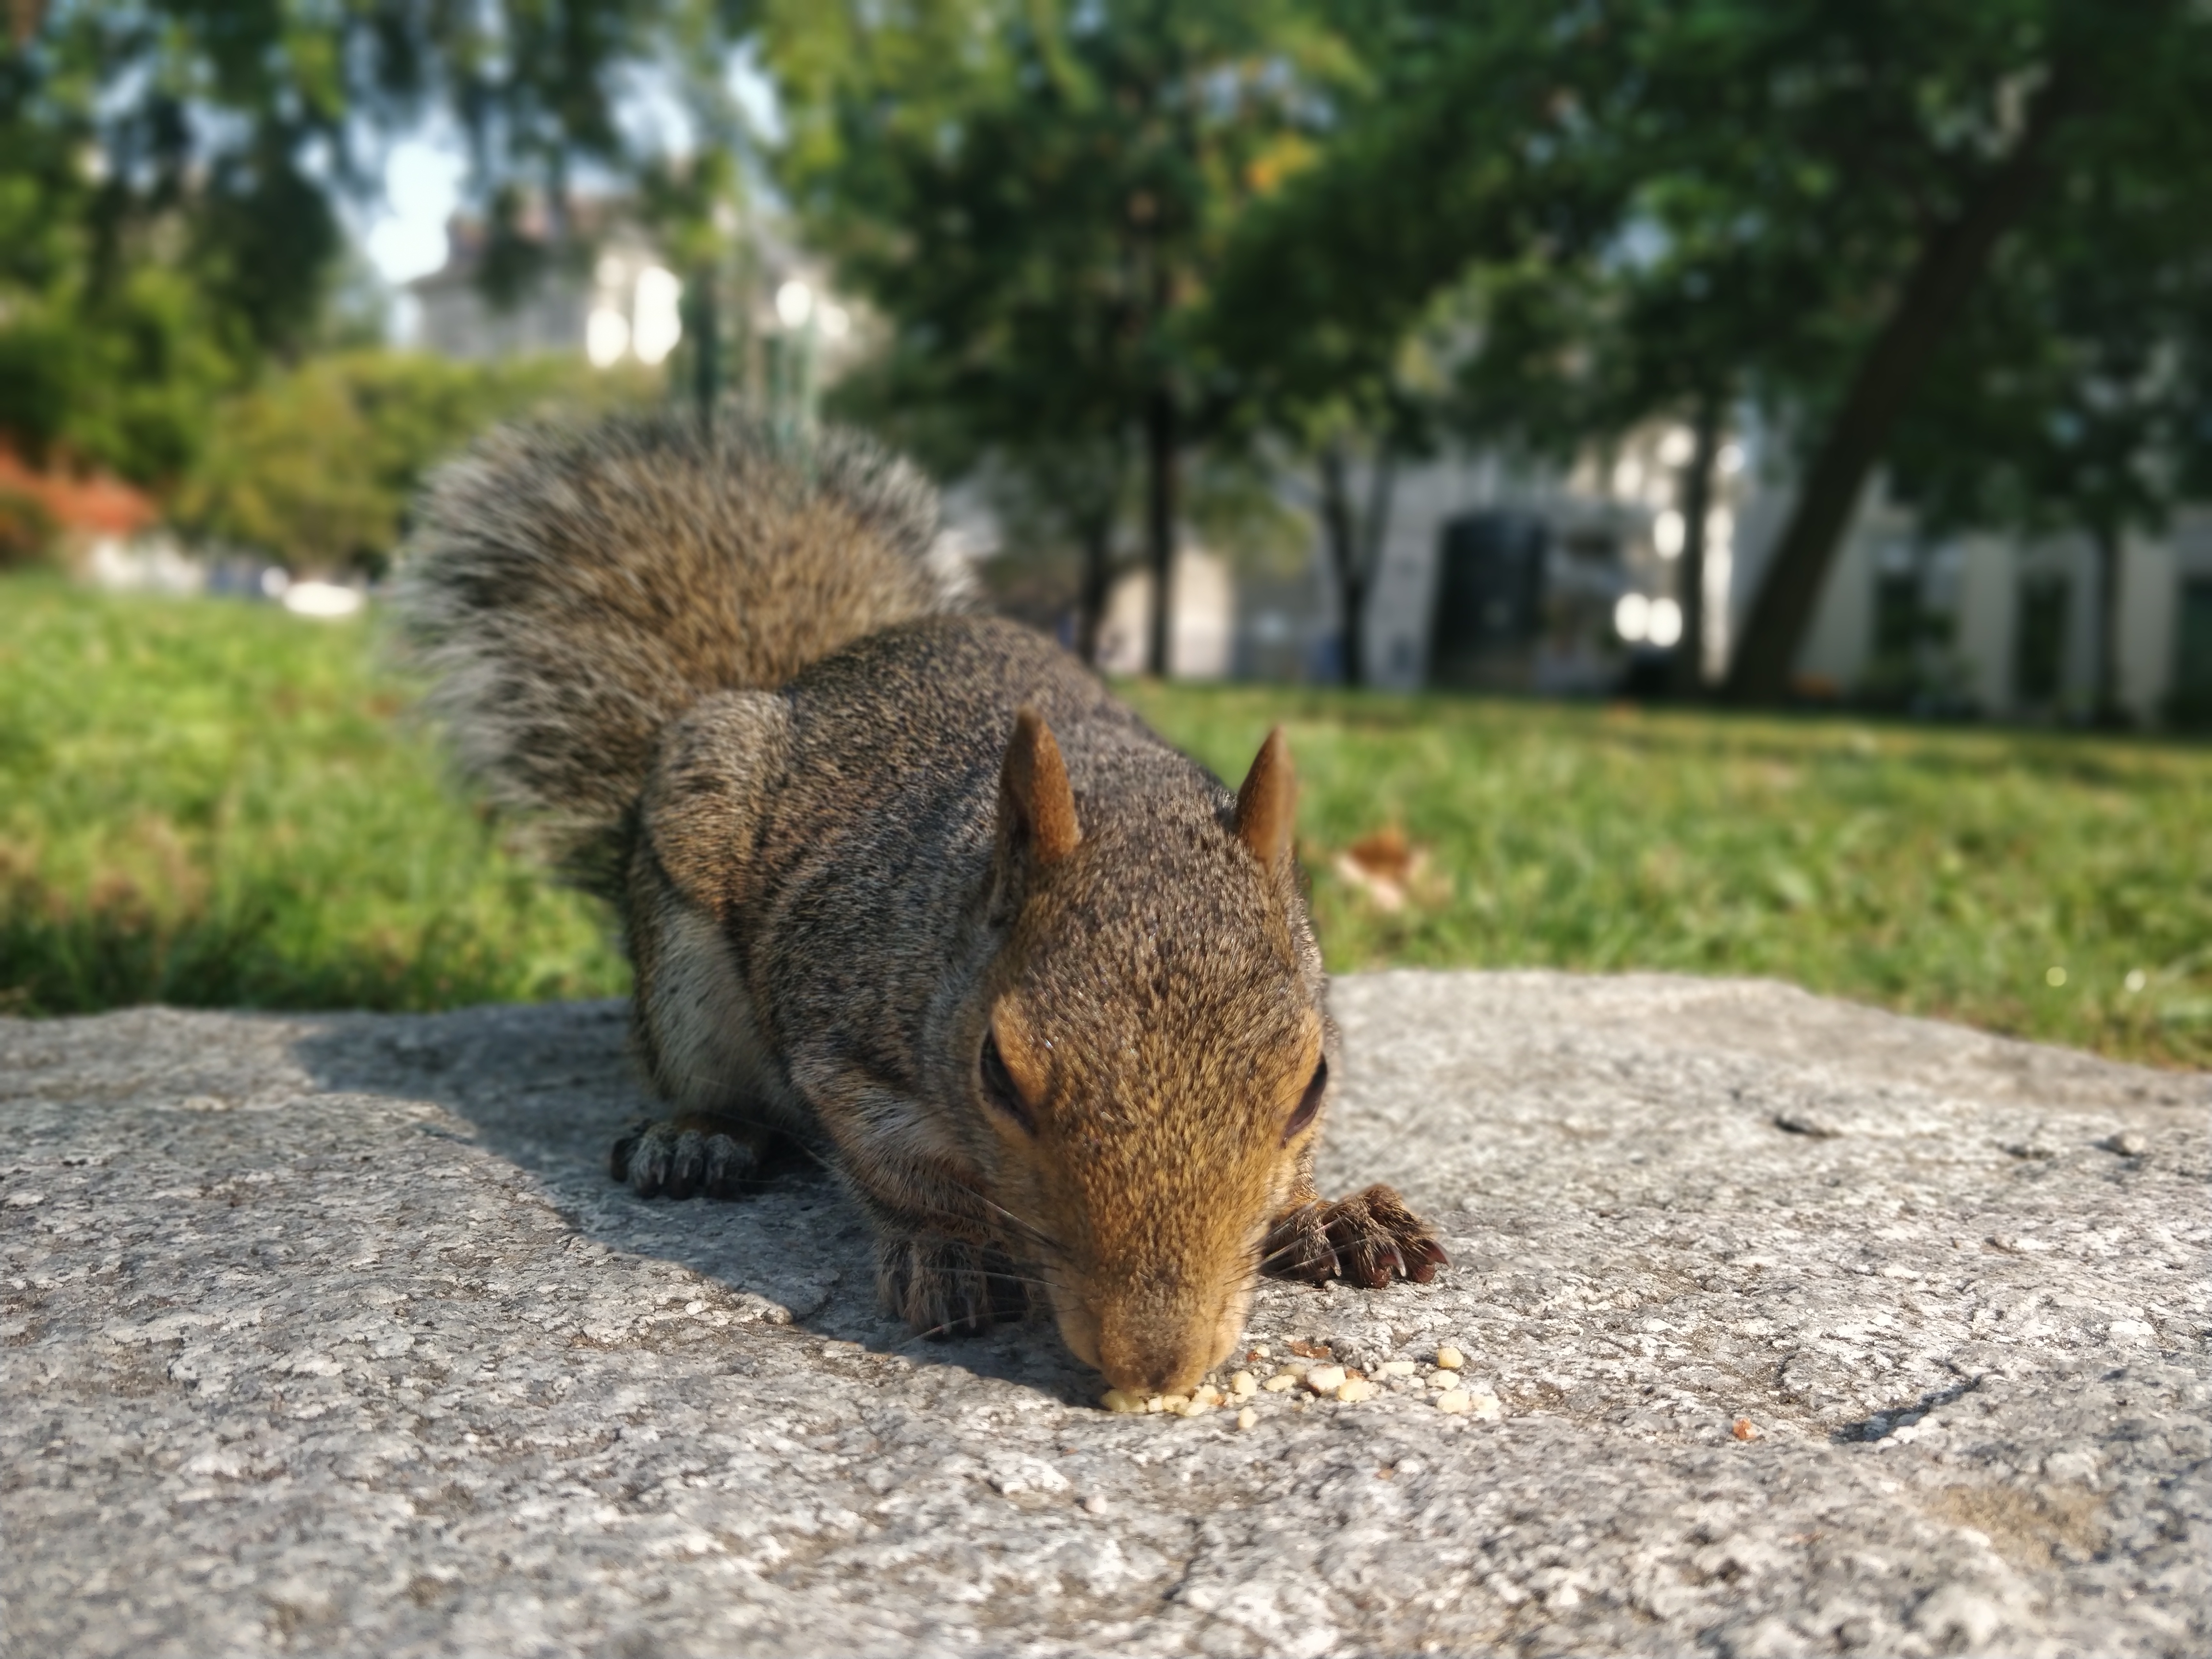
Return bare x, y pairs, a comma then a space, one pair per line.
1984, 624
625, 308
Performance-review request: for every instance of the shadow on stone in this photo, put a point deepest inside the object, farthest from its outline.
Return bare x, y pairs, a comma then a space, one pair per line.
1879, 1425
548, 1090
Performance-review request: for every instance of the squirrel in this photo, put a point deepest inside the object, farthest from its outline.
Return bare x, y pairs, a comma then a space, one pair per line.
902, 882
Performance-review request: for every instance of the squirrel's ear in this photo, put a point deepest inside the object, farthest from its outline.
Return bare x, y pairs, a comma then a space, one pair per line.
1266, 806
1035, 803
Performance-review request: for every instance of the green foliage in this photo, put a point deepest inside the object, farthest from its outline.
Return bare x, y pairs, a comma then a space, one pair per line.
1641, 207
221, 804
1420, 181
171, 173
2077, 393
1937, 872
121, 373
26, 530
140, 266
1036, 197
316, 466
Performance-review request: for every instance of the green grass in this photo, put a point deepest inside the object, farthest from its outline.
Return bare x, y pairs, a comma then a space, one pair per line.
1937, 872
220, 804
216, 803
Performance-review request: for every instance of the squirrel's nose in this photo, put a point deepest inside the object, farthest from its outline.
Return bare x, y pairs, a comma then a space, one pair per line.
1169, 1373
1151, 1356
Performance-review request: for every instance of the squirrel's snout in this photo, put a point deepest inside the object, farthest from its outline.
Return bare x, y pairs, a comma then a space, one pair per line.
1146, 1344
1151, 1367
1152, 1349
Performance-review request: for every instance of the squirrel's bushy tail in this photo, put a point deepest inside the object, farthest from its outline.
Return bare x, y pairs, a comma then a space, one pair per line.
572, 591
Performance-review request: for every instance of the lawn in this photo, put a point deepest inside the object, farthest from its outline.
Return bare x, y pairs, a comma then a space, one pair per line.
2049, 885
217, 804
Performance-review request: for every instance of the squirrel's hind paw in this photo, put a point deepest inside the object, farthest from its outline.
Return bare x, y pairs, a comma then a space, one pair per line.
948, 1286
1369, 1239
686, 1156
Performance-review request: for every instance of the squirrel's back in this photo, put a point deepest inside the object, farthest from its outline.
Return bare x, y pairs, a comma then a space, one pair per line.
573, 592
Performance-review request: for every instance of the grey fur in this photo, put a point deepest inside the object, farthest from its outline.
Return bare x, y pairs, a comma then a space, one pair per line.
572, 592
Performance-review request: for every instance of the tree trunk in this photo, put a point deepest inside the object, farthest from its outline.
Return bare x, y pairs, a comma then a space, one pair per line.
1687, 679
1160, 524
1355, 547
1343, 557
1097, 581
1374, 526
1951, 262
2108, 692
706, 345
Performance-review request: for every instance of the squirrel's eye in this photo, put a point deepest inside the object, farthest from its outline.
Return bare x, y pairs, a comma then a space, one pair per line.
1308, 1103
999, 1086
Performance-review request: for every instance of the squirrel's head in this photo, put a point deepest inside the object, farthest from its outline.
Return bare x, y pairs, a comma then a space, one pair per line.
1148, 1059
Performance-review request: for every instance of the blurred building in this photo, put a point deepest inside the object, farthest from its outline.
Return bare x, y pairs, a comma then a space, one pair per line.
1504, 578
623, 306
780, 335
86, 507
2012, 629
1497, 577
1201, 635
1491, 575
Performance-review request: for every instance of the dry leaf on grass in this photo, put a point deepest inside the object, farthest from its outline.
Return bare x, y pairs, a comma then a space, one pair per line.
1385, 865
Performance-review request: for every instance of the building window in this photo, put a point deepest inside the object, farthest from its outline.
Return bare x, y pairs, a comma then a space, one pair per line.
1896, 616
1490, 600
2040, 647
2192, 655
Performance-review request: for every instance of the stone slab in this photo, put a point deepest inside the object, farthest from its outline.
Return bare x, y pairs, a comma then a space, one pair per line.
328, 1334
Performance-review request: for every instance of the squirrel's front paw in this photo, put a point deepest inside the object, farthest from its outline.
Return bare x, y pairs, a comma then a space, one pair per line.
1368, 1239
948, 1286
684, 1156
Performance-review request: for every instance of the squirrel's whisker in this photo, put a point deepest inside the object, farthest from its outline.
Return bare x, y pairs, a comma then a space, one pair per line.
1029, 1229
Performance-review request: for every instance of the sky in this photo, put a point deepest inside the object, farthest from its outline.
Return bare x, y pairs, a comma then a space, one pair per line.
425, 172
422, 178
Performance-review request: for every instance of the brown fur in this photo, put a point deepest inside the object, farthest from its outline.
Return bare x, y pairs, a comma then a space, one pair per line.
855, 833
1035, 800
1266, 806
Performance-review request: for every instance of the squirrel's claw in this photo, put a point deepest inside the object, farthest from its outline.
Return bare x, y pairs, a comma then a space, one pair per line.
947, 1286
684, 1159
1370, 1238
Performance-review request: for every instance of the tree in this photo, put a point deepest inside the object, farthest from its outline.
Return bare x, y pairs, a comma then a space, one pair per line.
1077, 492
316, 466
1037, 197
170, 171
1792, 203
1340, 397
1308, 343
1054, 500
2076, 394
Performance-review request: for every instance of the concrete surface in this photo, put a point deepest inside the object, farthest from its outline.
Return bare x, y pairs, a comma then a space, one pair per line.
328, 1334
